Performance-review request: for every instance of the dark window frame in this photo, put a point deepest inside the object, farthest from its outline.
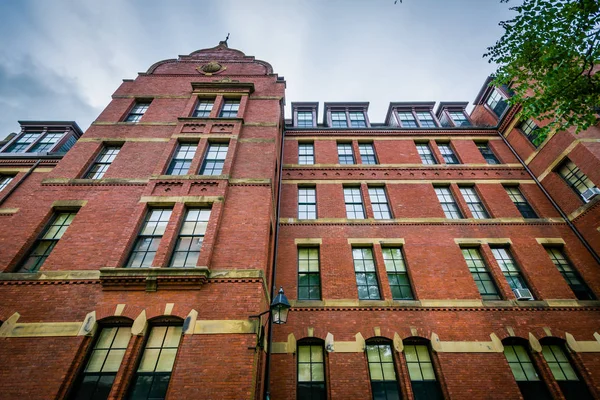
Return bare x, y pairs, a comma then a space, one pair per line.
448, 154
520, 201
101, 164
306, 157
229, 107
368, 156
141, 244
510, 269
381, 209
422, 388
569, 273
311, 276
377, 360
371, 280
201, 110
450, 208
181, 161
354, 202
311, 390
211, 163
427, 157
487, 153
474, 202
580, 178
306, 203
343, 155
138, 110
401, 277
198, 233
481, 274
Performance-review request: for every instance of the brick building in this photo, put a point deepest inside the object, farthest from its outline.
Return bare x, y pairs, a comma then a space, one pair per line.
438, 254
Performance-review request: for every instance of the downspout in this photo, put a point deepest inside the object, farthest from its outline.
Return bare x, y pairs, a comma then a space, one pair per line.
275, 250
556, 206
16, 185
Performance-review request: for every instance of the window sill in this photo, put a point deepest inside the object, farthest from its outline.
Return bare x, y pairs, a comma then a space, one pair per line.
152, 279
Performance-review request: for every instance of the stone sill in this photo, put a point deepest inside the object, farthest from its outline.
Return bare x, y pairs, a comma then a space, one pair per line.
445, 303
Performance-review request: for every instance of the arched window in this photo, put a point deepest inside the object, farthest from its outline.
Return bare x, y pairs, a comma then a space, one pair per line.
569, 380
311, 370
524, 370
423, 381
384, 381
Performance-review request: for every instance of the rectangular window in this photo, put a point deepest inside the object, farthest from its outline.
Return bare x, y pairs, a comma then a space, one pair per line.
306, 153
203, 108
397, 274
182, 159
576, 179
367, 153
103, 161
487, 153
481, 275
191, 236
459, 118
520, 202
148, 239
47, 241
448, 203
307, 203
509, 268
448, 154
354, 204
379, 202
153, 374
338, 119
305, 119
425, 153
384, 384
426, 119
215, 159
46, 143
311, 372
97, 378
525, 373
309, 281
345, 153
578, 286
4, 181
407, 119
422, 375
23, 142
474, 203
366, 277
531, 131
572, 387
357, 119
230, 108
137, 111
497, 102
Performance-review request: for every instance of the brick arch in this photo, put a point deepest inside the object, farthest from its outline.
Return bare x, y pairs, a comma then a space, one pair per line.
381, 337
307, 338
422, 333
540, 334
519, 334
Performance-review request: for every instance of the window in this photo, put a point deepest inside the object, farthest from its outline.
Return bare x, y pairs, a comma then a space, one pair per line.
481, 275
203, 108
47, 241
97, 378
153, 374
23, 142
366, 277
576, 179
448, 203
459, 118
474, 203
148, 239
407, 119
354, 204
182, 160
4, 181
67, 144
571, 386
397, 274
311, 371
307, 203
215, 159
137, 111
345, 153
191, 236
496, 102
422, 375
487, 153
338, 119
305, 119
367, 153
230, 108
530, 129
525, 373
520, 202
357, 119
509, 268
46, 143
381, 209
384, 384
309, 281
425, 153
103, 161
306, 153
578, 286
448, 154
426, 119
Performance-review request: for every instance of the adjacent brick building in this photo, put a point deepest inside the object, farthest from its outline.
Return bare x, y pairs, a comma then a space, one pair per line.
437, 254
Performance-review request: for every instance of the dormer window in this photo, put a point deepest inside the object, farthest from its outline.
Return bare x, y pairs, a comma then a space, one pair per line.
338, 119
426, 119
346, 115
407, 119
411, 115
452, 114
459, 118
496, 102
305, 119
357, 119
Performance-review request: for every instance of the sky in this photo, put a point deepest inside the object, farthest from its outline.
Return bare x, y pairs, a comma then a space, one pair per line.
62, 59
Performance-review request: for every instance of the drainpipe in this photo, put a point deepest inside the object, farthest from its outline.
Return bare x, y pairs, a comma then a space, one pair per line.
16, 185
556, 206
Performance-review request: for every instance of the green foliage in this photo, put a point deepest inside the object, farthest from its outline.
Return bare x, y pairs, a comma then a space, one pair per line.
549, 54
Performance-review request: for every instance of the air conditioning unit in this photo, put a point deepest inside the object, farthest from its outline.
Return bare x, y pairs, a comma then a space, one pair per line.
523, 294
590, 193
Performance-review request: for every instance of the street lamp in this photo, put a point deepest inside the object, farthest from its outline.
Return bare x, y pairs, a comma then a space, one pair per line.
280, 308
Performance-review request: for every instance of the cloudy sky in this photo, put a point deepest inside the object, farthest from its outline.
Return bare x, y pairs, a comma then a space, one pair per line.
62, 59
